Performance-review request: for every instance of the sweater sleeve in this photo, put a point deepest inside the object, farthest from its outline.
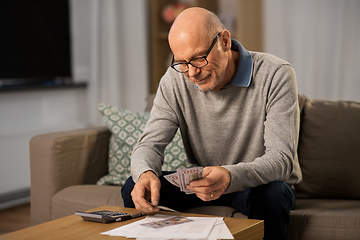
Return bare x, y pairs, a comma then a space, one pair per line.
148, 154
281, 129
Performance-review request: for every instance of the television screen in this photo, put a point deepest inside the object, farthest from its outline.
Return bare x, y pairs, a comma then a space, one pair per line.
34, 40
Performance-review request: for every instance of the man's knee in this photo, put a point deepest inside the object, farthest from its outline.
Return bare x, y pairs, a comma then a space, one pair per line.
273, 196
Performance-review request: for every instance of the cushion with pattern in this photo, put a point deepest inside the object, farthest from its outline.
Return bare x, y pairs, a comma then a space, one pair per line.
126, 127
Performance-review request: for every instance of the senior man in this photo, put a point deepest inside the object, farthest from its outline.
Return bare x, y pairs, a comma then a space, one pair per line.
239, 118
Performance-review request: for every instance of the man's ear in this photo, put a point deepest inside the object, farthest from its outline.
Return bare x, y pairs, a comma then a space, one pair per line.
225, 40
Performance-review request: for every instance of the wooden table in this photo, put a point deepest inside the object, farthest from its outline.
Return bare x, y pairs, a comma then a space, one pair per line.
73, 227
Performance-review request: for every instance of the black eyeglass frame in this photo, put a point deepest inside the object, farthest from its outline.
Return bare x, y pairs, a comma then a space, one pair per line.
203, 56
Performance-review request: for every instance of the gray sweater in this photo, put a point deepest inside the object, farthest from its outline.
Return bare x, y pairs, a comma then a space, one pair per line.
250, 130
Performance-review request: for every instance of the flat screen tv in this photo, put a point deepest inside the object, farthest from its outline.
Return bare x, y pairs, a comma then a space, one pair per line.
34, 42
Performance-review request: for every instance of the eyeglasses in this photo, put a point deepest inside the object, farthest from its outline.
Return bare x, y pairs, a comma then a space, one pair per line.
198, 62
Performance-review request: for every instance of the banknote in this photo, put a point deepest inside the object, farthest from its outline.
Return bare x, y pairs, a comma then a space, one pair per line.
167, 222
182, 177
173, 179
187, 175
163, 208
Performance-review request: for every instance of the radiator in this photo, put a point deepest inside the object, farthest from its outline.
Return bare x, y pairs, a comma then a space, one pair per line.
14, 169
14, 162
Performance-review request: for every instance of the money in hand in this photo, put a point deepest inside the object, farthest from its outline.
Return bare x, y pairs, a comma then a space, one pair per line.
173, 179
182, 177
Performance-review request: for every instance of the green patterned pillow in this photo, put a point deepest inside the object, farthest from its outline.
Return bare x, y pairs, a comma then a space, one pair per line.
126, 127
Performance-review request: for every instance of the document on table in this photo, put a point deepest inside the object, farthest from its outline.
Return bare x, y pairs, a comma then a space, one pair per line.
210, 228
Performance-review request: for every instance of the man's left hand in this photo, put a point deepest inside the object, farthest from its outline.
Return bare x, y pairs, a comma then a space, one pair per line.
214, 183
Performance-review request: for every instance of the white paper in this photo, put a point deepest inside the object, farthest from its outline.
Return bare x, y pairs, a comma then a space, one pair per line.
211, 228
127, 229
224, 232
198, 228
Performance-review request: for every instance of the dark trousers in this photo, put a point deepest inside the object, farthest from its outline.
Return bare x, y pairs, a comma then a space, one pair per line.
271, 202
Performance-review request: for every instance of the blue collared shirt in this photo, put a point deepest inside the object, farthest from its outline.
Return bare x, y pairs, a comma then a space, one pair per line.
242, 77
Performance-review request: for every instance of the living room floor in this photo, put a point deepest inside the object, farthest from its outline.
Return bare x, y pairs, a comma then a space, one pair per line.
15, 218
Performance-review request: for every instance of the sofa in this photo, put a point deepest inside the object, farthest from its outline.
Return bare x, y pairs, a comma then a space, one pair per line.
66, 168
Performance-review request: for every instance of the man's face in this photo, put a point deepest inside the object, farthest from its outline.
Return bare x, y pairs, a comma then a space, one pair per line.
209, 77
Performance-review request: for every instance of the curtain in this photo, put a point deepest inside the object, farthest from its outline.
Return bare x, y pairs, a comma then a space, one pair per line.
321, 39
110, 52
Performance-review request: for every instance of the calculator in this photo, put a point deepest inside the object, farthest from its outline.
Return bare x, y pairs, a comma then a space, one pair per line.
103, 216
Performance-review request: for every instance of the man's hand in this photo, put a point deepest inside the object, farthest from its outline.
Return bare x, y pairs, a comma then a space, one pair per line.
147, 189
214, 183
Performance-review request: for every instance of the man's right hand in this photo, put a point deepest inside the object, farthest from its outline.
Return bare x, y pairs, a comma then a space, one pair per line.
147, 189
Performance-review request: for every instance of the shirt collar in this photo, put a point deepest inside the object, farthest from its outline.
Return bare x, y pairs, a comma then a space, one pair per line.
242, 77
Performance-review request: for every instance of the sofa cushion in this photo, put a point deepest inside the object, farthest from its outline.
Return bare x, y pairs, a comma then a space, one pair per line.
84, 197
126, 127
329, 150
325, 219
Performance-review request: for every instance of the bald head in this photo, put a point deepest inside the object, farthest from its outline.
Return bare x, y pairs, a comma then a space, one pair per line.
197, 34
195, 23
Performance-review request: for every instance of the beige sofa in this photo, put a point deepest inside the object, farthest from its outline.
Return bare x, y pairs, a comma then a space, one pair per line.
66, 165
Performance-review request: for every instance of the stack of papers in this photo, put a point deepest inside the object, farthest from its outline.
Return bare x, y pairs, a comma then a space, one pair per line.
209, 228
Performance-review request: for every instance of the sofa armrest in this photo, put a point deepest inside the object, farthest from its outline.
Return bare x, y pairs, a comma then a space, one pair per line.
62, 159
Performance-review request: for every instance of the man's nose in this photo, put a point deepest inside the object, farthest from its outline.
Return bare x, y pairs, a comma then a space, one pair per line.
193, 71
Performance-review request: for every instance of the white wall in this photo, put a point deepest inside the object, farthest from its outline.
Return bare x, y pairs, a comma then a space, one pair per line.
30, 110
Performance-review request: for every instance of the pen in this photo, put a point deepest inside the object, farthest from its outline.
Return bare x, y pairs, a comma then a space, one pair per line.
127, 217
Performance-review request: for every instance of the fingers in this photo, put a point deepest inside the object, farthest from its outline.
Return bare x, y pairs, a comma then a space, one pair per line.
155, 193
209, 196
212, 185
146, 190
144, 206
